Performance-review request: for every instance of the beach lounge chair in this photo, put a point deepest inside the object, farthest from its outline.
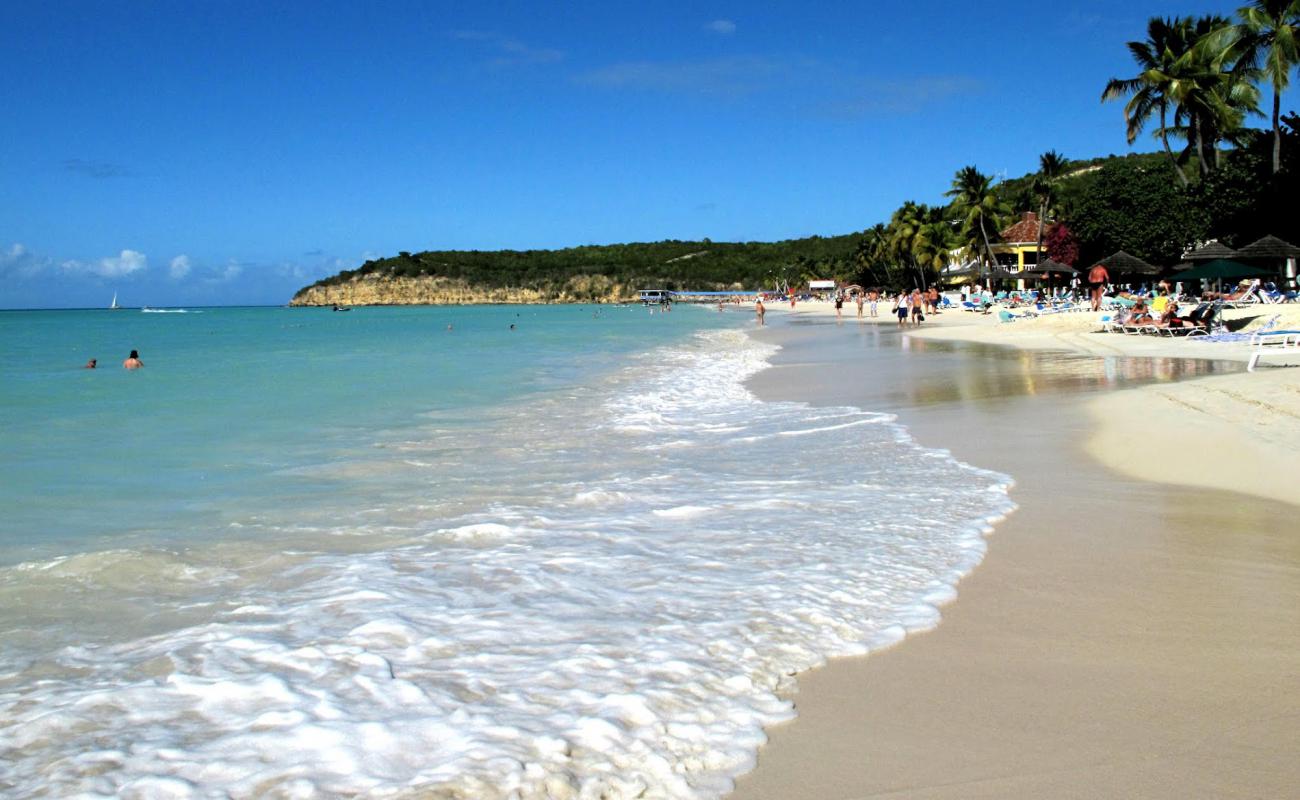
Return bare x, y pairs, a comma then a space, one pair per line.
1007, 316
1271, 341
1227, 336
1269, 293
1243, 297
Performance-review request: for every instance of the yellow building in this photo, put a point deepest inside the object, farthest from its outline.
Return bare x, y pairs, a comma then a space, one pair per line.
1019, 246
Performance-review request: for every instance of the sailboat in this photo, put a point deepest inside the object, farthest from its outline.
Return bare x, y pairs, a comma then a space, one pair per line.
114, 306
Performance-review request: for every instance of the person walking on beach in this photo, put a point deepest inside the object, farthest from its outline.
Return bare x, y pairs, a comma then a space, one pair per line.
760, 311
932, 299
861, 300
874, 297
133, 361
1098, 277
839, 307
900, 307
918, 305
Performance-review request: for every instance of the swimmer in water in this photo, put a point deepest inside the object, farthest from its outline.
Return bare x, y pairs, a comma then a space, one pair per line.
133, 361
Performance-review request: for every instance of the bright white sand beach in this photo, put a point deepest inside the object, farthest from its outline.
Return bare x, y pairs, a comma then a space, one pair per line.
1132, 630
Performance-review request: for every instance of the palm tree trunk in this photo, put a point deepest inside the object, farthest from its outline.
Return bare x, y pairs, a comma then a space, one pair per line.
1277, 131
1042, 212
1200, 147
1164, 137
988, 248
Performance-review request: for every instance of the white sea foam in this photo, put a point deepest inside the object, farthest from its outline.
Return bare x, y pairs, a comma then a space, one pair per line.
573, 610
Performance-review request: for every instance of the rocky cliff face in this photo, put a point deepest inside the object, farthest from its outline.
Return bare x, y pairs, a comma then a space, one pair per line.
377, 290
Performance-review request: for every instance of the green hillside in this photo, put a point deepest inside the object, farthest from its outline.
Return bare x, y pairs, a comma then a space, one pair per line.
702, 265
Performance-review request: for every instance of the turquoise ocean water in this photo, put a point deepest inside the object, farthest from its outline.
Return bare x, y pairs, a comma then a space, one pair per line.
314, 554
233, 399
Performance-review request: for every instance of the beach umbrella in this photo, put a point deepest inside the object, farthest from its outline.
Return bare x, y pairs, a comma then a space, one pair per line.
1211, 252
1220, 269
1049, 267
1274, 250
1127, 264
1270, 247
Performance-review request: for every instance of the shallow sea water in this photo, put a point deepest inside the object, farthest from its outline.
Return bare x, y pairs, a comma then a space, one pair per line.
305, 554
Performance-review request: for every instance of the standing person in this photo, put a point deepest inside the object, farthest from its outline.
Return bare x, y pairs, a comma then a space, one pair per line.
874, 297
133, 361
839, 306
900, 307
861, 299
760, 311
918, 305
933, 298
1098, 277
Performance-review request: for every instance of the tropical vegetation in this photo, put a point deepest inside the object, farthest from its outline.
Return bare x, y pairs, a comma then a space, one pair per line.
1198, 83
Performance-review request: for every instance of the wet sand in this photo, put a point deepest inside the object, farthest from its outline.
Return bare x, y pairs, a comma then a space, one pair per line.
1121, 639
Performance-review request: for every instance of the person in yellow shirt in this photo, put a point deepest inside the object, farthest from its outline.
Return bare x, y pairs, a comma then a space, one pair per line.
1160, 305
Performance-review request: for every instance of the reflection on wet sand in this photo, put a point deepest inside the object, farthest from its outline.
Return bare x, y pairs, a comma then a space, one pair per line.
978, 372
969, 372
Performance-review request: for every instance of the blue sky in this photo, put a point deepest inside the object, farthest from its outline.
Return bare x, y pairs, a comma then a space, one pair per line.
227, 152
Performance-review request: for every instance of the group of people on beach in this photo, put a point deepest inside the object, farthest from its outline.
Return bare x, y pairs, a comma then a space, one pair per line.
916, 305
132, 362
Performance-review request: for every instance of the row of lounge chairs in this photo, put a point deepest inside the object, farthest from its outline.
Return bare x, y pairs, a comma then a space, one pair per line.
1202, 321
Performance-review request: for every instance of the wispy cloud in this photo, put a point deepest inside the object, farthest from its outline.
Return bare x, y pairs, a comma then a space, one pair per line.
725, 27
99, 170
730, 76
909, 95
179, 267
20, 263
510, 52
820, 88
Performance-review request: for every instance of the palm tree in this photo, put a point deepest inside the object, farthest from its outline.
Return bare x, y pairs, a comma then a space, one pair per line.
1213, 92
872, 256
1051, 166
1150, 89
904, 226
1268, 36
976, 205
932, 244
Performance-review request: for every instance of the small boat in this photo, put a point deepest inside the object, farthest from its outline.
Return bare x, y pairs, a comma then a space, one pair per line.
114, 306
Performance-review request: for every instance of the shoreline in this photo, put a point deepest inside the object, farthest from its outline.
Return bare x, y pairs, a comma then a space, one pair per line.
1121, 638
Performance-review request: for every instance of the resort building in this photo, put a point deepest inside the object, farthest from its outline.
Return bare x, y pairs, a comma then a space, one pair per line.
1018, 247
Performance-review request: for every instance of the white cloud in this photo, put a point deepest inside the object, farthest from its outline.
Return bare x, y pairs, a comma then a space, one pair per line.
119, 266
232, 271
724, 27
179, 267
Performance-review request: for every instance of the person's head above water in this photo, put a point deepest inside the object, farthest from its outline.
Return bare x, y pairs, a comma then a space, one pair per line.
134, 354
